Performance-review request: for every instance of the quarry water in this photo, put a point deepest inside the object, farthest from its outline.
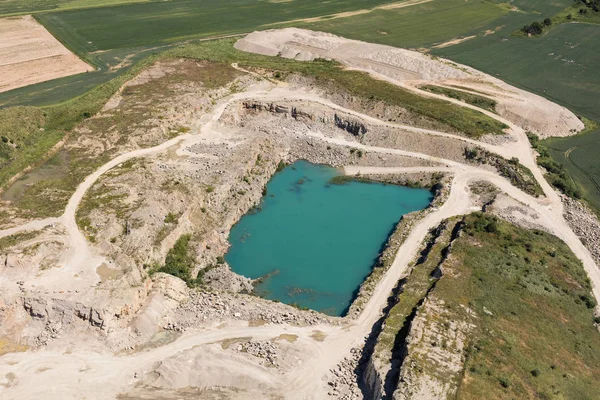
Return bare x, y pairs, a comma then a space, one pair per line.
315, 242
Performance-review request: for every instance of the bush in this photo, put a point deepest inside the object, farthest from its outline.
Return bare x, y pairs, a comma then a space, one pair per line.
492, 227
170, 218
281, 166
471, 153
534, 29
536, 372
504, 382
180, 261
588, 300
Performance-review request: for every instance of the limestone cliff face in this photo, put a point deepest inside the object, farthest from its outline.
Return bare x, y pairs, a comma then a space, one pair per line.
351, 126
344, 122
373, 379
435, 353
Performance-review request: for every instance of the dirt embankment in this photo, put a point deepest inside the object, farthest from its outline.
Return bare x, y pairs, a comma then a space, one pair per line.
412, 69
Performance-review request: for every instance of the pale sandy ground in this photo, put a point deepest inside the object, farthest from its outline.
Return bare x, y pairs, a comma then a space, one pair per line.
194, 360
30, 54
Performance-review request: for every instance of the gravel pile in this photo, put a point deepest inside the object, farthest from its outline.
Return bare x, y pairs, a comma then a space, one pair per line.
210, 306
585, 225
343, 382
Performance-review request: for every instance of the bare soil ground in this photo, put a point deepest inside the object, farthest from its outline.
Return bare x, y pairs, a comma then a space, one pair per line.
30, 54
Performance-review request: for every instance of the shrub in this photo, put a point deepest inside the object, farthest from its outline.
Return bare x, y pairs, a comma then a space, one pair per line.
536, 372
180, 261
588, 300
534, 29
471, 153
504, 382
170, 218
280, 166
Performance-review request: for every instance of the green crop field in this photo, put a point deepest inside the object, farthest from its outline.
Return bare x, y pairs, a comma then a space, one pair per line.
13, 7
157, 23
579, 155
559, 65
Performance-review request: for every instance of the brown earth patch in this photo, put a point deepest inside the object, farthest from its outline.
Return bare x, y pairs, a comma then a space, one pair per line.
30, 54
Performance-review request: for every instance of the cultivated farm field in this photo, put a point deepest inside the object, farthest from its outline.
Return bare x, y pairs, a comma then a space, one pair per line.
156, 23
579, 155
12, 7
404, 27
29, 54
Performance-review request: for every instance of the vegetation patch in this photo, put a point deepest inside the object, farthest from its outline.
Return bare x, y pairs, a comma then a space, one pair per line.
536, 28
180, 261
414, 288
585, 11
519, 175
475, 100
535, 309
9, 241
556, 173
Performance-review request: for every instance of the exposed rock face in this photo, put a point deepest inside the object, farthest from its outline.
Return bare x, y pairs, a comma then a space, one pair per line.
435, 353
372, 378
342, 381
54, 310
166, 294
350, 126
51, 318
530, 111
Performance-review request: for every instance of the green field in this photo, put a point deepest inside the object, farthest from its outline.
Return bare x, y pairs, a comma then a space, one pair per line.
559, 65
579, 155
416, 26
14, 7
156, 23
112, 38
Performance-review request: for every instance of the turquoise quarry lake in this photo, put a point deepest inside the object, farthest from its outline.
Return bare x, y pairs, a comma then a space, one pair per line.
315, 242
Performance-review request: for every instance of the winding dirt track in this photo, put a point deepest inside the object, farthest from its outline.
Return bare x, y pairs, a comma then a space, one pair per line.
79, 372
